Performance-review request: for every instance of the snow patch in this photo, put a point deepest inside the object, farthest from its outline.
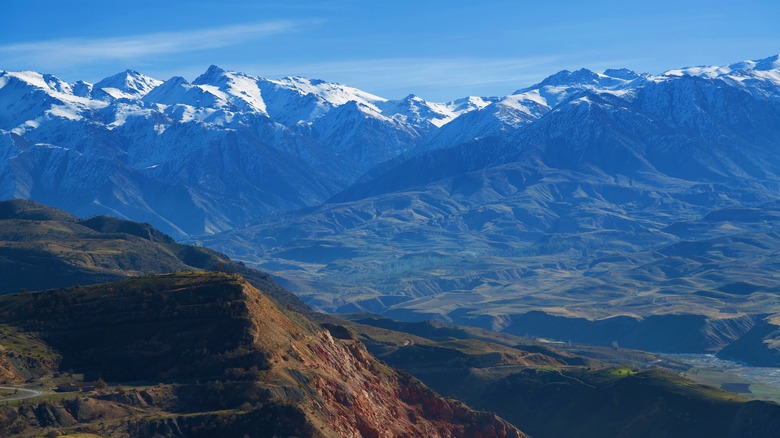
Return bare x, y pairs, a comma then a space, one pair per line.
65, 112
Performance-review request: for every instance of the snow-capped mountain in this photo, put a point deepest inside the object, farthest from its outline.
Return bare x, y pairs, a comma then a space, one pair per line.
766, 68
294, 100
498, 116
30, 99
689, 123
227, 148
230, 148
129, 85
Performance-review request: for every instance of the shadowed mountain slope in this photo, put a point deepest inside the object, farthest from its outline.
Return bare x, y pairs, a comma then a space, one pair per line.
554, 393
45, 248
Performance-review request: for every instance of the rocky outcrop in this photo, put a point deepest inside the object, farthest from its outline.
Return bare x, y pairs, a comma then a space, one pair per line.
356, 395
230, 358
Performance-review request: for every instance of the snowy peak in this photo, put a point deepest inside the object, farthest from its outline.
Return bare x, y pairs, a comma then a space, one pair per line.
333, 93
30, 98
566, 84
295, 99
212, 76
480, 117
169, 92
767, 64
470, 103
417, 112
622, 73
228, 132
82, 89
31, 79
526, 106
177, 90
566, 77
356, 110
216, 90
362, 137
128, 84
760, 77
585, 79
238, 89
755, 67
187, 102
218, 96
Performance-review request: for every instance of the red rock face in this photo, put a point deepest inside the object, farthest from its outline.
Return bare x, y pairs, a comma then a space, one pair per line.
362, 398
9, 371
356, 396
302, 376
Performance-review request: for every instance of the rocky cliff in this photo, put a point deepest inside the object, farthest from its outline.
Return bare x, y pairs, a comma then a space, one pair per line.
210, 343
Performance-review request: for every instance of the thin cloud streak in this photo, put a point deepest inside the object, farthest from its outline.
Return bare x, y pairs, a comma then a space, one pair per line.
75, 51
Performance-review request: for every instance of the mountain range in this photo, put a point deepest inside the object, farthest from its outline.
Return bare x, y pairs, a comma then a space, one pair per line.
200, 157
231, 148
587, 196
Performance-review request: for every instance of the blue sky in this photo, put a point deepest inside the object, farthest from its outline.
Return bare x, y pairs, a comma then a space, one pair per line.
439, 50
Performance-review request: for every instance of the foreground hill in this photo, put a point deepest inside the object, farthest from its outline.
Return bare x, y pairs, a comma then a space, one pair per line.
216, 357
553, 393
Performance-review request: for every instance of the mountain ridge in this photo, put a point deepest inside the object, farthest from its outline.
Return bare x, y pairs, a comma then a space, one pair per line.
147, 136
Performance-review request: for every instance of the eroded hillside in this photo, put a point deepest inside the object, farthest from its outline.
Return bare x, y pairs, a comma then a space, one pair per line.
205, 353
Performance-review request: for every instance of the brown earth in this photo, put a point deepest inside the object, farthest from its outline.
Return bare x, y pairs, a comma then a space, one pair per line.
207, 353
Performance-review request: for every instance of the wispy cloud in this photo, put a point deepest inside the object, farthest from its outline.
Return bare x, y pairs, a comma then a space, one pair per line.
75, 51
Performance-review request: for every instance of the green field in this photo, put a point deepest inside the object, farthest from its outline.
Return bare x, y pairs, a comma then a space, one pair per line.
726, 380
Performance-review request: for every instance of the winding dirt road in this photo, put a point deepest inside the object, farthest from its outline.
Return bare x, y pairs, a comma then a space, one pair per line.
22, 393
